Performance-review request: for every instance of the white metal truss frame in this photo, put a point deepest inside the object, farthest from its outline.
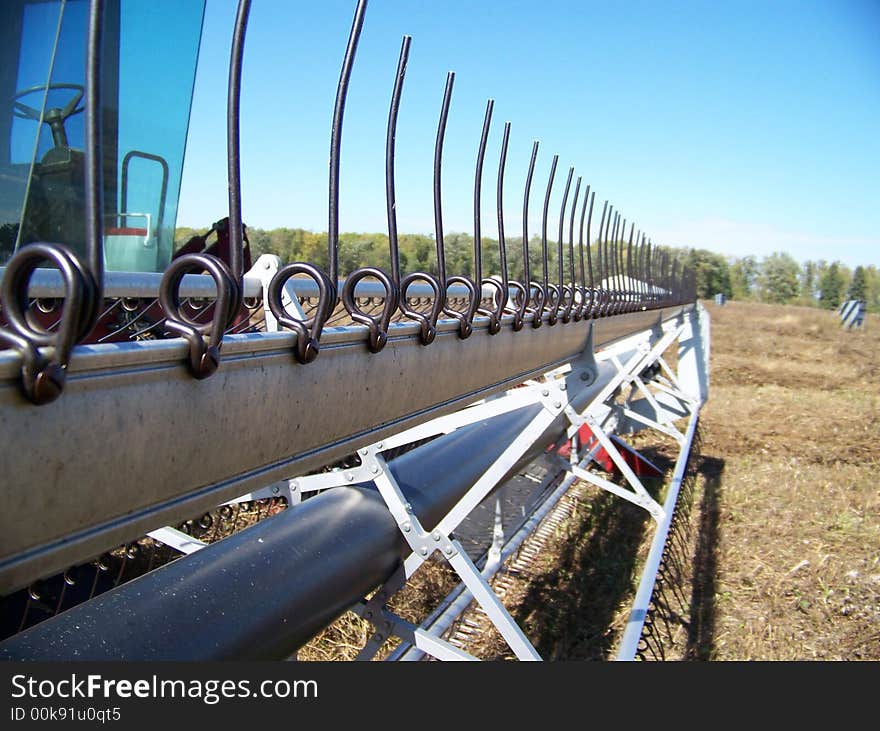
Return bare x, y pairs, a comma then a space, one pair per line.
602, 416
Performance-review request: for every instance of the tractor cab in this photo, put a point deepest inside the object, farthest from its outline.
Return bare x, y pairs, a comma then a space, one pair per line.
149, 56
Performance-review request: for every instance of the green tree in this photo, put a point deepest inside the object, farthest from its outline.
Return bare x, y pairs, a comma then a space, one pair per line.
712, 272
808, 283
831, 287
858, 287
744, 277
779, 278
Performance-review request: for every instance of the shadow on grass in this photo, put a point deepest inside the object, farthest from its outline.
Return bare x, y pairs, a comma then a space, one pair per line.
569, 612
701, 628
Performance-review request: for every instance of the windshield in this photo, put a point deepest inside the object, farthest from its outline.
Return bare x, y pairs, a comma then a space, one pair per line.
149, 59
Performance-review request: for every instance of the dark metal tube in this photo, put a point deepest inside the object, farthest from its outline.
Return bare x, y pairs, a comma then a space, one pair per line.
262, 593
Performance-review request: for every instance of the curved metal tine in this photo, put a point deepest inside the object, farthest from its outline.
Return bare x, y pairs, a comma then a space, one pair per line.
618, 264
628, 271
466, 318
673, 282
551, 292
664, 281
643, 271
427, 323
309, 329
621, 267
494, 314
599, 262
609, 263
587, 305
576, 309
638, 288
336, 147
615, 286
565, 314
506, 282
667, 279
233, 146
625, 277
205, 339
530, 286
606, 261
649, 288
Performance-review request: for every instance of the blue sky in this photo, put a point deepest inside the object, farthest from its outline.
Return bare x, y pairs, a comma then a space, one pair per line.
741, 127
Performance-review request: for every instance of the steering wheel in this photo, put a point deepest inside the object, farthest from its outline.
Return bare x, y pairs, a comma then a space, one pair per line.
55, 116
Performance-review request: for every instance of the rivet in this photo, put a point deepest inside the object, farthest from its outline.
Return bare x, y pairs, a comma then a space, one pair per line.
374, 469
424, 550
275, 489
557, 404
436, 535
294, 486
545, 391
349, 476
379, 445
563, 386
448, 551
407, 527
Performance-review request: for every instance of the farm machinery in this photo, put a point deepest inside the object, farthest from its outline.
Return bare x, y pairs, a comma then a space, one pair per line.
209, 456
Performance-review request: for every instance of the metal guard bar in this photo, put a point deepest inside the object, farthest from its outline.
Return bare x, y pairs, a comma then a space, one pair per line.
67, 495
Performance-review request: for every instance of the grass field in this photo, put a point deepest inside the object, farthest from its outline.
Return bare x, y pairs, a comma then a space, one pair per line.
792, 431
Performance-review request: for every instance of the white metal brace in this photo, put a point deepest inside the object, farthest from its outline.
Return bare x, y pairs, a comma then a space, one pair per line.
424, 543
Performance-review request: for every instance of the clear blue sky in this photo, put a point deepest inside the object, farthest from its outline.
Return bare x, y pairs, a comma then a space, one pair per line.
742, 127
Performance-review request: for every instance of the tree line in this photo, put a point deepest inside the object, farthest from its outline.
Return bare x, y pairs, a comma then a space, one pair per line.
777, 278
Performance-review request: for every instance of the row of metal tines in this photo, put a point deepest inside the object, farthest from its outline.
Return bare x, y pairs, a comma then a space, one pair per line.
629, 273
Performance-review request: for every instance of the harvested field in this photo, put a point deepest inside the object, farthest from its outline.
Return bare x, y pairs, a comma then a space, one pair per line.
793, 420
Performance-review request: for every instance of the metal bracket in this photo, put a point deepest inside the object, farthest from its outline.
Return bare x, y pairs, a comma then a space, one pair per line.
424, 543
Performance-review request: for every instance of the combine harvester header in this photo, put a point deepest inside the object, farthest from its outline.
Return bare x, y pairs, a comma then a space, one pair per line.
372, 413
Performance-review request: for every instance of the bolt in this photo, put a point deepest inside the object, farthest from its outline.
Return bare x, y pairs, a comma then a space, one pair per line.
408, 508
585, 376
349, 476
275, 489
364, 451
407, 527
563, 386
424, 550
379, 445
448, 550
436, 535
374, 469
557, 404
545, 391
294, 486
